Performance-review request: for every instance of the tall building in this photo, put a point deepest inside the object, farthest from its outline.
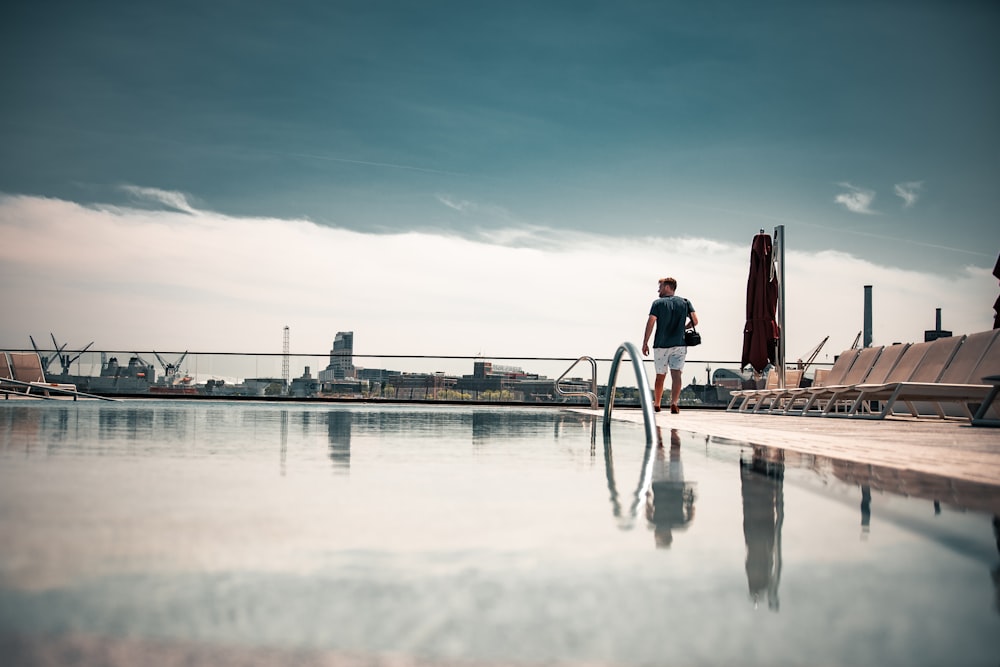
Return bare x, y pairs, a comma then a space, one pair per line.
341, 358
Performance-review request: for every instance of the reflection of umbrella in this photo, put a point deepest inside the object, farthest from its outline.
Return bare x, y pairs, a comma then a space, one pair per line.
760, 335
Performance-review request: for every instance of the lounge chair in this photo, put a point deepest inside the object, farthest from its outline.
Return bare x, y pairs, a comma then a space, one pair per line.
922, 362
6, 388
981, 417
957, 381
775, 398
745, 400
741, 398
868, 359
22, 373
749, 398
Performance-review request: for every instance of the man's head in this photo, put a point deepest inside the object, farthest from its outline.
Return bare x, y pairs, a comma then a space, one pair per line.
667, 286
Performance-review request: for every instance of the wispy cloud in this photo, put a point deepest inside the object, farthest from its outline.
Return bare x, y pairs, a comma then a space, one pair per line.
176, 201
460, 205
856, 200
909, 192
485, 214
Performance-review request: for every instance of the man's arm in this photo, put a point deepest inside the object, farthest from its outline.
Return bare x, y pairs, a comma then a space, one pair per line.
650, 323
693, 317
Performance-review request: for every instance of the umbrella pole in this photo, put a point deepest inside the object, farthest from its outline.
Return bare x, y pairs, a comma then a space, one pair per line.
779, 241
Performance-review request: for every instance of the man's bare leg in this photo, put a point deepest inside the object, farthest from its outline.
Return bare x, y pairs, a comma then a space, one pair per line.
675, 389
658, 390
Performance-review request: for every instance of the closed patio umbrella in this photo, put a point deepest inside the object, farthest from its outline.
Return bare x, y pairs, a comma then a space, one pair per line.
996, 306
760, 335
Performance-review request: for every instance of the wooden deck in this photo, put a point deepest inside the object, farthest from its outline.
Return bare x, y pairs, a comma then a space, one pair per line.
951, 449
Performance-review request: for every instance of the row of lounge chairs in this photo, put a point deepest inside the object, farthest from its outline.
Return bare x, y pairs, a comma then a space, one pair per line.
21, 374
874, 382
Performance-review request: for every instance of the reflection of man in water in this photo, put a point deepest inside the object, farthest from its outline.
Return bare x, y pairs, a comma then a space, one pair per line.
670, 500
763, 514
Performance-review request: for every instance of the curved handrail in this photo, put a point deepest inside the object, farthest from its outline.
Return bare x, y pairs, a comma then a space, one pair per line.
644, 395
592, 394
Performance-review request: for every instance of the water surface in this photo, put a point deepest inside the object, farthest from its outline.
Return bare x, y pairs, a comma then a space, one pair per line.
478, 536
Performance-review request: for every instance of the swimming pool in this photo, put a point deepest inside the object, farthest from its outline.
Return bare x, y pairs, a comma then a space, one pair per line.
472, 536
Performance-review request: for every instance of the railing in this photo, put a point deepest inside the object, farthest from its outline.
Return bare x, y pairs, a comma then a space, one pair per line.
592, 394
526, 380
645, 400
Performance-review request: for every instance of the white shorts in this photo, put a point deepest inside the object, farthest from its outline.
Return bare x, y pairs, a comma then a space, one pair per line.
671, 358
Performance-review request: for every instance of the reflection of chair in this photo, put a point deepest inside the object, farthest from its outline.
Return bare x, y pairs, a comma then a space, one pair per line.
25, 374
957, 380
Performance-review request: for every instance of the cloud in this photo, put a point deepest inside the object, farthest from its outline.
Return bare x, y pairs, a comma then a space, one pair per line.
169, 280
909, 192
460, 205
170, 199
856, 200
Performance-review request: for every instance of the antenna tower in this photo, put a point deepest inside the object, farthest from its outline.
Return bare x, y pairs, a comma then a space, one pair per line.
284, 357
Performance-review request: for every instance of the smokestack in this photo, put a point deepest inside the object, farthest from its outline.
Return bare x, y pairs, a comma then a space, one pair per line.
868, 316
937, 331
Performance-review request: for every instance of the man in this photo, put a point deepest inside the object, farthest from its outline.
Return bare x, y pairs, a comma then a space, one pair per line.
671, 315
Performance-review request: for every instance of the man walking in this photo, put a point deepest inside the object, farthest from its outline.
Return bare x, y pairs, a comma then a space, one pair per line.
671, 315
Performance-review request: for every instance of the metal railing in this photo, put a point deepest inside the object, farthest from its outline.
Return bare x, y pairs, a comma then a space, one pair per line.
592, 394
513, 380
645, 399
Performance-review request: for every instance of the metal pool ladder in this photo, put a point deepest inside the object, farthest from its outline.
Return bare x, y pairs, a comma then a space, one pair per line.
592, 394
645, 399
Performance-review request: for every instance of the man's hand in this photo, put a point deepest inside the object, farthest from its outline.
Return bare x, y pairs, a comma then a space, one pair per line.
645, 349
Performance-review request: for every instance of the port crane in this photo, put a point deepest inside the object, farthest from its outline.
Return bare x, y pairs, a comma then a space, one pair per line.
811, 357
171, 370
65, 360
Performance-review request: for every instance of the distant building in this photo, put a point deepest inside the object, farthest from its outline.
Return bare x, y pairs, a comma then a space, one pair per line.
377, 374
725, 377
419, 385
304, 386
341, 358
264, 386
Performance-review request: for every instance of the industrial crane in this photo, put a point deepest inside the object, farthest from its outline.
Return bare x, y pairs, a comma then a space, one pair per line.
811, 357
170, 371
65, 360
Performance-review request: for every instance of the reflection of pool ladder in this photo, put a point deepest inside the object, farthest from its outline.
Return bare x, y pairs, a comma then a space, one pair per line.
645, 399
592, 394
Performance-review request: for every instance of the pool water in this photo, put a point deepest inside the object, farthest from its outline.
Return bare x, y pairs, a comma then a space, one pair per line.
477, 536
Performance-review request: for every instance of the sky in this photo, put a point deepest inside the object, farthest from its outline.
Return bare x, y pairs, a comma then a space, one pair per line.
504, 179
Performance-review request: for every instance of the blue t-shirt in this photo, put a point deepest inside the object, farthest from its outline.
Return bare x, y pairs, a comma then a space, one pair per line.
671, 314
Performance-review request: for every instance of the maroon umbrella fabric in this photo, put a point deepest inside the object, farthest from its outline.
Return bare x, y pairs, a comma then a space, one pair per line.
996, 306
760, 335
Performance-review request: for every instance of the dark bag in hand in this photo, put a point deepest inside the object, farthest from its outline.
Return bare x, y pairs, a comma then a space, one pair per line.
692, 338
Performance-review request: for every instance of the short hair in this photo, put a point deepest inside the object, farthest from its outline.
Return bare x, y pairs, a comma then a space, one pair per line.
669, 281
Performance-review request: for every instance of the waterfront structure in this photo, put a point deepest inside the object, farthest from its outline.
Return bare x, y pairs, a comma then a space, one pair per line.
304, 386
341, 358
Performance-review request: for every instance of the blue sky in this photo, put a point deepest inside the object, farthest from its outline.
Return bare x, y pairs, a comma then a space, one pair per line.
866, 128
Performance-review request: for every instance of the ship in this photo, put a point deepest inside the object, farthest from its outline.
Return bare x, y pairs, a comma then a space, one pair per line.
137, 376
